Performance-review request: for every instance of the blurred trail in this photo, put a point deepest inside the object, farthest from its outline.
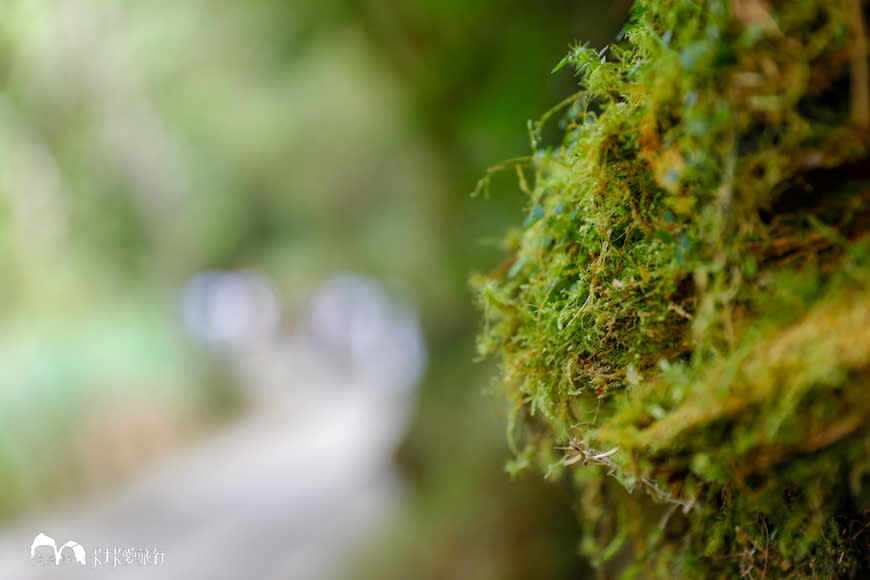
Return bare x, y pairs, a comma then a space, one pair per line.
286, 492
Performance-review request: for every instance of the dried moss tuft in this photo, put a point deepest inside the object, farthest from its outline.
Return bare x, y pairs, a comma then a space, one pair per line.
686, 309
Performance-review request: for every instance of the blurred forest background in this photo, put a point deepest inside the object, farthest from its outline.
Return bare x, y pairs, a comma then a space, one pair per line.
143, 143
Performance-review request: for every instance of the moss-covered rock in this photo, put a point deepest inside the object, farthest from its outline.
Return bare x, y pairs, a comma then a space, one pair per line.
686, 306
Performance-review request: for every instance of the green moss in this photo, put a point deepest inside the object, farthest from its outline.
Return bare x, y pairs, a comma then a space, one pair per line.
686, 304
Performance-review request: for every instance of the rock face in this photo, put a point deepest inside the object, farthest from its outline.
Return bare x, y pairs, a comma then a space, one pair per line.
686, 307
290, 490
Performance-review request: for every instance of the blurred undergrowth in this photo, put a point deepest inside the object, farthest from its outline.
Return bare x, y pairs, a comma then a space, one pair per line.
145, 142
685, 308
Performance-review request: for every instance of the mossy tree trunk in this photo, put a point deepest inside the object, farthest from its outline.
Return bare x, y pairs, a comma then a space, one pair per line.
686, 309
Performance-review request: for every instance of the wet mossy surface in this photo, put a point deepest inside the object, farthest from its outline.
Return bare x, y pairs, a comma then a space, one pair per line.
683, 323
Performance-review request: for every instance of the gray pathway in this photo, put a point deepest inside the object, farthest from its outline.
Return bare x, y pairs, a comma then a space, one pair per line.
291, 490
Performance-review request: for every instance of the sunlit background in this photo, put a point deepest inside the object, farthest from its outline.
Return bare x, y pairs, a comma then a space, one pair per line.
235, 326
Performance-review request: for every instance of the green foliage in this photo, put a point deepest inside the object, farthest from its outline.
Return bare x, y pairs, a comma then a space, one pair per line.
145, 142
140, 147
686, 305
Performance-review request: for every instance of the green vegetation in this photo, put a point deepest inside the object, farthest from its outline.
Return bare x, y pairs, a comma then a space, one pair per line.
146, 142
685, 309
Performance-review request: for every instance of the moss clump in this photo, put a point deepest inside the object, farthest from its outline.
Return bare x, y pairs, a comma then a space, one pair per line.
686, 306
